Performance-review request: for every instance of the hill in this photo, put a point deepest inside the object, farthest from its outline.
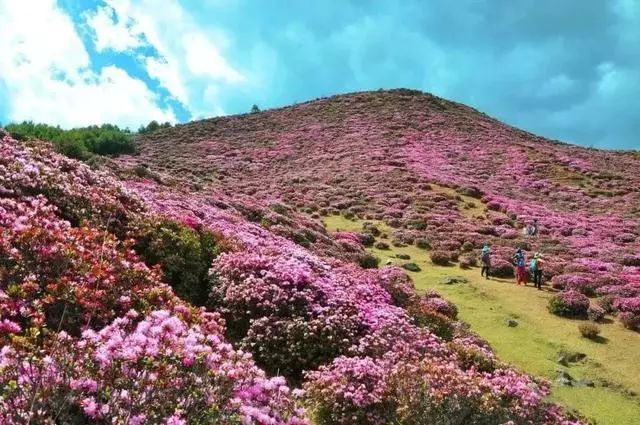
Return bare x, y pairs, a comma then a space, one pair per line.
199, 280
429, 168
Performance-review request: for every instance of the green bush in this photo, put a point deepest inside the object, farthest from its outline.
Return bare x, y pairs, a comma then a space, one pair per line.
369, 261
77, 143
184, 255
423, 243
367, 239
412, 267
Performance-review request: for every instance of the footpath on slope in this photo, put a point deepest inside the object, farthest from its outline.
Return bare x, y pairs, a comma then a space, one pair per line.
539, 340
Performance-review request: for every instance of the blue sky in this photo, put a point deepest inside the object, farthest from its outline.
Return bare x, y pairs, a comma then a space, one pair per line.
564, 69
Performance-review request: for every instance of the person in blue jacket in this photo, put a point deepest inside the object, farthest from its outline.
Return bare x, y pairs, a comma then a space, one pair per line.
485, 257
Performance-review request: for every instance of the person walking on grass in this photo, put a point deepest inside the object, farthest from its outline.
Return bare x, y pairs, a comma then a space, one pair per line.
536, 268
485, 257
520, 261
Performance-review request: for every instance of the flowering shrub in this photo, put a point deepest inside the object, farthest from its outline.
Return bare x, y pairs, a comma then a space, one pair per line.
380, 391
169, 366
569, 304
595, 313
502, 268
468, 261
628, 311
440, 305
398, 284
67, 278
629, 320
440, 258
277, 310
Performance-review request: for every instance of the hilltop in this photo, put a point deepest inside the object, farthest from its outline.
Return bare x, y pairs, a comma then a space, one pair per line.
199, 280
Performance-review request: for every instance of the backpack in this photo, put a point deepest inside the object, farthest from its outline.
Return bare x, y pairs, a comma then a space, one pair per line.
485, 257
534, 265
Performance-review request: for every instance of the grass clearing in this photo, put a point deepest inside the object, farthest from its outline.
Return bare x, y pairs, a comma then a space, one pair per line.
468, 206
534, 345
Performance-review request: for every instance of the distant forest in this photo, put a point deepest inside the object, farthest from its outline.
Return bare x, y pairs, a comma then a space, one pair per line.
82, 142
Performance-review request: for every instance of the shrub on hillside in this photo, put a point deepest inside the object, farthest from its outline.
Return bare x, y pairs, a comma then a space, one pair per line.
367, 239
365, 390
569, 304
596, 313
467, 246
502, 268
440, 305
183, 253
468, 261
473, 356
381, 245
440, 258
631, 260
370, 228
589, 330
454, 255
624, 238
398, 284
423, 243
582, 283
139, 370
368, 261
629, 320
398, 243
628, 311
606, 303
412, 267
425, 316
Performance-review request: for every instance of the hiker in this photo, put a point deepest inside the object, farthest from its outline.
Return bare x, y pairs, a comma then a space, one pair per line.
537, 267
519, 261
534, 227
485, 257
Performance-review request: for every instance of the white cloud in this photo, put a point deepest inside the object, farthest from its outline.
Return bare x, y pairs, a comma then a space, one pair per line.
111, 33
191, 57
204, 59
46, 70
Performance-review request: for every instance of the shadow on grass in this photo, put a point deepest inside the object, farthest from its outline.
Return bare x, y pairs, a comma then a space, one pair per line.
599, 339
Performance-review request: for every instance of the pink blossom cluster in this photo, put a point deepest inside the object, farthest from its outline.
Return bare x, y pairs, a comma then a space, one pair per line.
170, 365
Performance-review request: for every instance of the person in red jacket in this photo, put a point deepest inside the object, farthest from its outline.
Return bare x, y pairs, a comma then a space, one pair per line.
520, 261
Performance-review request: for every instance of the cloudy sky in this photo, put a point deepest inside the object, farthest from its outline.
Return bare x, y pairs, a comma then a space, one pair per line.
565, 69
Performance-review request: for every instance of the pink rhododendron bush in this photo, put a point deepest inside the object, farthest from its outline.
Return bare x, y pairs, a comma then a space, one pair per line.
93, 330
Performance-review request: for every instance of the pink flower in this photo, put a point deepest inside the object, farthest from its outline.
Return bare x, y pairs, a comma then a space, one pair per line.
90, 407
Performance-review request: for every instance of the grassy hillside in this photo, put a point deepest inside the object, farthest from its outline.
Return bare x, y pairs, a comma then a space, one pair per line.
539, 339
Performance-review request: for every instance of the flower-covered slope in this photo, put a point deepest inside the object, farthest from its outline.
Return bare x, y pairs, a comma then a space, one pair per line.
90, 333
436, 171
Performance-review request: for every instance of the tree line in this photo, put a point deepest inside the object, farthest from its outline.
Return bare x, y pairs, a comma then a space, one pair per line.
82, 142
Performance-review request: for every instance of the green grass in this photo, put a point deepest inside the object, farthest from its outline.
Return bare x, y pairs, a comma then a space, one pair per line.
533, 345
